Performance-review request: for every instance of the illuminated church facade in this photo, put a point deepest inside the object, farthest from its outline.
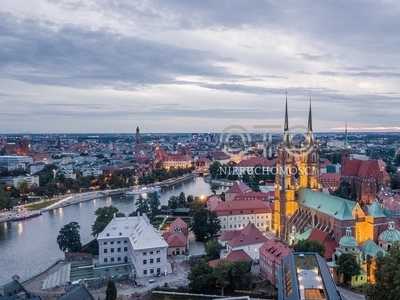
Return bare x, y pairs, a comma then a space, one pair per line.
300, 204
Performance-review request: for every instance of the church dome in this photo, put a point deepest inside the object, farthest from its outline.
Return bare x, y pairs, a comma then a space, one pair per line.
390, 235
348, 240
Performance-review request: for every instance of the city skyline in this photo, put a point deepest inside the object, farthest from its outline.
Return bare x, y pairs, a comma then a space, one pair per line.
178, 66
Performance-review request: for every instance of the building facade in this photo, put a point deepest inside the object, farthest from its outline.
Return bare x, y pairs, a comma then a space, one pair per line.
134, 241
235, 215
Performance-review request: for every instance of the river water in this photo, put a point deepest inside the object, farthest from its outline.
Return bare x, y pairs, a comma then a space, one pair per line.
29, 247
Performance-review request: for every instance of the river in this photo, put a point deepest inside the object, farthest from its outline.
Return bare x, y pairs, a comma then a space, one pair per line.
29, 247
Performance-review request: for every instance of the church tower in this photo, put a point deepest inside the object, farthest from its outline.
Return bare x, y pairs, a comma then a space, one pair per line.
297, 167
345, 151
285, 182
137, 138
308, 164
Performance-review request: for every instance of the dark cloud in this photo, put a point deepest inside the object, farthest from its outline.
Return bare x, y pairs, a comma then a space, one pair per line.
81, 57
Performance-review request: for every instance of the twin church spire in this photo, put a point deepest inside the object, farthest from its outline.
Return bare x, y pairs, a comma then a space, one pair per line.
310, 135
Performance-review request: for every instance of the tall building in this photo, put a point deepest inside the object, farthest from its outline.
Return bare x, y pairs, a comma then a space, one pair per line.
300, 205
297, 167
137, 137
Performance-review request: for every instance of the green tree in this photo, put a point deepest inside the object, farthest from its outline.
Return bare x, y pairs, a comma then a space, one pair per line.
309, 246
111, 291
69, 238
91, 247
182, 200
344, 191
213, 249
201, 277
214, 189
395, 181
154, 205
23, 186
215, 169
223, 274
142, 206
173, 202
241, 275
4, 197
387, 276
205, 224
104, 215
348, 266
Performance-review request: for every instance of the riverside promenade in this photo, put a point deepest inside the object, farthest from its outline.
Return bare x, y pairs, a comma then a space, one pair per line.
71, 199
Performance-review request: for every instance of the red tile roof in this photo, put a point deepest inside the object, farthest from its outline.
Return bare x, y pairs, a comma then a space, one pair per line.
175, 239
324, 238
364, 169
330, 177
213, 201
179, 223
324, 162
242, 207
235, 255
254, 161
238, 187
274, 251
248, 236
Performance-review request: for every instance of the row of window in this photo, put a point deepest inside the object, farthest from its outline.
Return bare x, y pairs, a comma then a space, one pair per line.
119, 259
246, 218
151, 260
241, 225
152, 252
105, 250
112, 243
158, 270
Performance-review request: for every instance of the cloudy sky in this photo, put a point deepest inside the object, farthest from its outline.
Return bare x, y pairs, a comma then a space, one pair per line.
197, 66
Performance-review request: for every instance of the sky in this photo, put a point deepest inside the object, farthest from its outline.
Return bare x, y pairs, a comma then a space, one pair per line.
86, 66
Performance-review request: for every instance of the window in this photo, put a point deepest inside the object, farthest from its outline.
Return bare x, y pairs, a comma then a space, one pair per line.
158, 259
119, 242
125, 242
144, 253
112, 259
151, 252
144, 272
119, 250
105, 250
112, 250
151, 261
158, 271
158, 252
108, 234
125, 249
106, 260
145, 261
120, 233
112, 243
151, 271
119, 258
105, 243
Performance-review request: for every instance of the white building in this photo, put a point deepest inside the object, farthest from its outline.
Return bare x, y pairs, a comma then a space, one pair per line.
235, 215
6, 160
15, 181
249, 239
94, 171
133, 240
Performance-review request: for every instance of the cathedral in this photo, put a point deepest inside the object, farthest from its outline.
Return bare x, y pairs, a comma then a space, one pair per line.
299, 203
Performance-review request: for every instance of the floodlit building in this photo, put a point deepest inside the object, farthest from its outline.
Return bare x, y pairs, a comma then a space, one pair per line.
133, 241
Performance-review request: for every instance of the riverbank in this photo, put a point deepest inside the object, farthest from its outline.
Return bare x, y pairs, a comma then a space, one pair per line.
72, 199
221, 182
